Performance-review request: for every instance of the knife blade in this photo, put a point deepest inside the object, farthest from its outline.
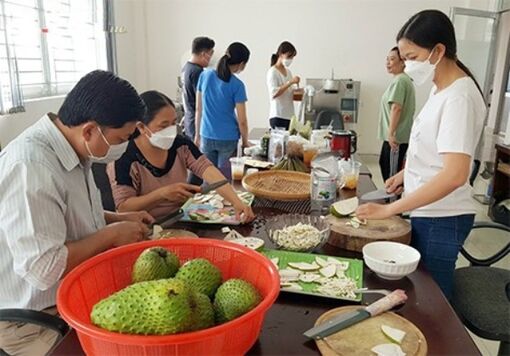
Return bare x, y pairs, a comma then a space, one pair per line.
166, 220
345, 320
210, 187
375, 195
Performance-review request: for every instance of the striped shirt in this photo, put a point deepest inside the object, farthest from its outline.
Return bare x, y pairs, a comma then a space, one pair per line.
47, 197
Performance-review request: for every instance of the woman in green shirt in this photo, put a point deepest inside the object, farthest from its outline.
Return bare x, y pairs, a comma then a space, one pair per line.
396, 116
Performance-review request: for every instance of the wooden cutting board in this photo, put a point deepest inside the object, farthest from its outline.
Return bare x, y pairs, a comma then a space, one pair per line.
347, 237
360, 338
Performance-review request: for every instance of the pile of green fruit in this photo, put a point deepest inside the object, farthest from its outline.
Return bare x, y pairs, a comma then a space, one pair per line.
166, 298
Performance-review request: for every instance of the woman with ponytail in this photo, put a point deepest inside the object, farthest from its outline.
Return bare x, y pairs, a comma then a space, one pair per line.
221, 107
281, 85
443, 140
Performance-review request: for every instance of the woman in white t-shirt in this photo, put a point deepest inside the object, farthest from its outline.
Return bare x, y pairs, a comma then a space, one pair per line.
443, 140
281, 86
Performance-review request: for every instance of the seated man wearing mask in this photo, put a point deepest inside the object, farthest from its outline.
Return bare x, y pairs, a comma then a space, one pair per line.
50, 208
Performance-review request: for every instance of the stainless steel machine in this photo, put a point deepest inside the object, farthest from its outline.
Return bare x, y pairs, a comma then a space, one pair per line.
337, 95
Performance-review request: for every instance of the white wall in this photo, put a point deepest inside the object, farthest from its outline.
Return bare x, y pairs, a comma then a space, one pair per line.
351, 36
12, 125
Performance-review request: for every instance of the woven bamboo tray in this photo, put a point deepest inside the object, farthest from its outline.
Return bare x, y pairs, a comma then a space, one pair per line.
278, 185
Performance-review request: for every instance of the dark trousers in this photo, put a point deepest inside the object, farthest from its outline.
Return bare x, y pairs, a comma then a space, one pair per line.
391, 162
278, 122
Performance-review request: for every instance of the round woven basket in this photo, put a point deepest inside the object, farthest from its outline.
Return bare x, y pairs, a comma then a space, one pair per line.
278, 185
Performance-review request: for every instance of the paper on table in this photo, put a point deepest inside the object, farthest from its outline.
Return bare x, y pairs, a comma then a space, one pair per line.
257, 164
254, 142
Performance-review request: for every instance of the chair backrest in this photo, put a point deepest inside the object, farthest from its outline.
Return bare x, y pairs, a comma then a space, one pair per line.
325, 117
103, 184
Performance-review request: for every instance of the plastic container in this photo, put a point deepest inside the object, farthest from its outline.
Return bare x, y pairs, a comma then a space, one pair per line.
109, 272
237, 168
350, 170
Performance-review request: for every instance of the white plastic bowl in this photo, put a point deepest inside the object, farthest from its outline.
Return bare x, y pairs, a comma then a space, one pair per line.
390, 260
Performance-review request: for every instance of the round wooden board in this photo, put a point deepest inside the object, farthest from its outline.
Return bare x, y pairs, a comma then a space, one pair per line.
278, 185
360, 338
176, 234
347, 237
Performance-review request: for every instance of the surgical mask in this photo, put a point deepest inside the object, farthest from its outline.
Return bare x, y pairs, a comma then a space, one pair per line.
420, 72
163, 138
113, 154
287, 62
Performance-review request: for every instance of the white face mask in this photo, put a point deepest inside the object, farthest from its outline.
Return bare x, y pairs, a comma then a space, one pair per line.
113, 154
287, 62
163, 138
420, 72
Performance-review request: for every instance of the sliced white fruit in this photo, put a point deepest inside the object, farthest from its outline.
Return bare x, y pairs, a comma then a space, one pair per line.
395, 335
388, 350
361, 222
328, 271
292, 286
303, 266
309, 277
343, 264
251, 242
340, 273
355, 224
275, 261
289, 275
321, 261
344, 207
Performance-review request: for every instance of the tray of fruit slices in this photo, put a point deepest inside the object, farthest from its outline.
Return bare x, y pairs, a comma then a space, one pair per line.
319, 275
212, 208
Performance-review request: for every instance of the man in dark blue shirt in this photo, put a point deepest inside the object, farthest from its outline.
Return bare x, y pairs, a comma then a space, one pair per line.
202, 49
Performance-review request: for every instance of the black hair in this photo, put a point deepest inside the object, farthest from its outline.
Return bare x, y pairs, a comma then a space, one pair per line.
201, 44
236, 53
396, 50
284, 48
154, 102
102, 97
427, 28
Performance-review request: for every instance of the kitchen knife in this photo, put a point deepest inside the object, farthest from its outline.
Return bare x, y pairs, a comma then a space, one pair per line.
166, 221
345, 320
210, 187
376, 195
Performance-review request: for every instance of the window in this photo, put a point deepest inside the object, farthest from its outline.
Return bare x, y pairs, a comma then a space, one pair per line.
55, 42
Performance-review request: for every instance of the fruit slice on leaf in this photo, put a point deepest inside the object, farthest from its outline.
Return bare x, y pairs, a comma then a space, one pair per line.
344, 207
395, 335
250, 242
328, 271
309, 277
321, 261
303, 266
388, 350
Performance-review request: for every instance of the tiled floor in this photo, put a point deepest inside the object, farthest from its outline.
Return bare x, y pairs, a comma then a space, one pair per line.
477, 243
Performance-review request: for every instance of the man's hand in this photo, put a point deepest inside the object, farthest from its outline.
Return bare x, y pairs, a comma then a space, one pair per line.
127, 232
178, 192
137, 216
392, 140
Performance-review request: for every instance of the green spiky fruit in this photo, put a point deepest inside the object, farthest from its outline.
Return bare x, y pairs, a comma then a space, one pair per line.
201, 275
203, 312
155, 263
234, 298
157, 307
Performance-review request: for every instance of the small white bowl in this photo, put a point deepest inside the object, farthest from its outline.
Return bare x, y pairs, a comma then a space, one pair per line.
390, 260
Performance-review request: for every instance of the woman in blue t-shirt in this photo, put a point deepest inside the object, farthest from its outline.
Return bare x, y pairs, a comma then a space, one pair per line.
220, 96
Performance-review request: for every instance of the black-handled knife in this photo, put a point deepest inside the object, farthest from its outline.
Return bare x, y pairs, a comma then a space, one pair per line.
210, 187
166, 220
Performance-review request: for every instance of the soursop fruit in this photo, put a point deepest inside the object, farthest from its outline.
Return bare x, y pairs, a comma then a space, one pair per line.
234, 298
203, 312
201, 275
158, 307
155, 263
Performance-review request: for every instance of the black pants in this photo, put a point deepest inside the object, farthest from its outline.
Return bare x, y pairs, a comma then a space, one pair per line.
391, 162
279, 122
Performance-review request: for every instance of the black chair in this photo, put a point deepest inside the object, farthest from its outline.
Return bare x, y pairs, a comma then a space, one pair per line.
35, 317
327, 117
481, 295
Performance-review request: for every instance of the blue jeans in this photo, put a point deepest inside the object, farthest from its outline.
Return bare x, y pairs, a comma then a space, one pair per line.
439, 241
218, 152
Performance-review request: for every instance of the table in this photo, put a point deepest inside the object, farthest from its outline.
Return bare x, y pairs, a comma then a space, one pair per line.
292, 314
